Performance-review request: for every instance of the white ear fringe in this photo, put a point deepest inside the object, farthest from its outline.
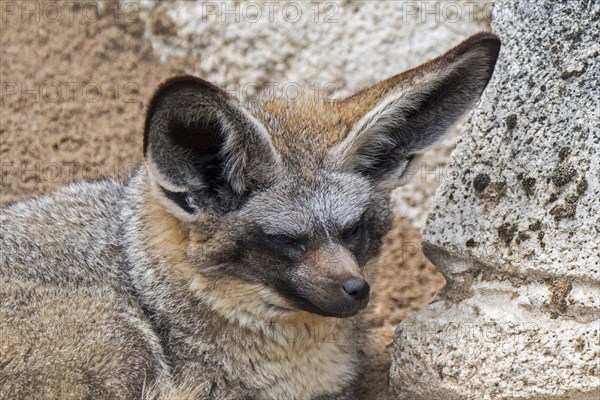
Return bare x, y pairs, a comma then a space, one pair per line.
168, 204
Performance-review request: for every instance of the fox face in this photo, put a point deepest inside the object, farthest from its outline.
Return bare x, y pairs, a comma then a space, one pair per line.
297, 193
308, 241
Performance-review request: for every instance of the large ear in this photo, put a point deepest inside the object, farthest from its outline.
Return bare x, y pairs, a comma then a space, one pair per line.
402, 116
203, 149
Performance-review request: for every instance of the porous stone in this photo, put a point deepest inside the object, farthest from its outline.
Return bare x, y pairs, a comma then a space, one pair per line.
515, 228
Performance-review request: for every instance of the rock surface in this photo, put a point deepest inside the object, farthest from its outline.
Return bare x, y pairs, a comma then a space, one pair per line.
515, 228
339, 47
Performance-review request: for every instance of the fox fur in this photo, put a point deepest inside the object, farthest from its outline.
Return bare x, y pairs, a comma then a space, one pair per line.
232, 265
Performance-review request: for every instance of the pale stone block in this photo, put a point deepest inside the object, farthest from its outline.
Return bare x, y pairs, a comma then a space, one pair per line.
516, 227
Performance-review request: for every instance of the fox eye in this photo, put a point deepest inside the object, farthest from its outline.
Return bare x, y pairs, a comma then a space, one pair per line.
284, 240
352, 232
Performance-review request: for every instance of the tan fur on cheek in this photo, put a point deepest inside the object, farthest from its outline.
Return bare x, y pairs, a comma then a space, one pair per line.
238, 301
163, 231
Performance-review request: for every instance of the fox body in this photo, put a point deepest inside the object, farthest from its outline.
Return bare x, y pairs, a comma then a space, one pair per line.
233, 265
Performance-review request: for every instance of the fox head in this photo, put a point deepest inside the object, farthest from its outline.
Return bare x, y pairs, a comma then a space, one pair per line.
300, 191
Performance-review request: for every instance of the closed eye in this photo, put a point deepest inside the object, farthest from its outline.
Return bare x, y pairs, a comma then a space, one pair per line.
352, 232
288, 241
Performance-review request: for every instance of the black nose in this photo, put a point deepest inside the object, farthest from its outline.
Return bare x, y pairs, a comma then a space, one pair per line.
357, 288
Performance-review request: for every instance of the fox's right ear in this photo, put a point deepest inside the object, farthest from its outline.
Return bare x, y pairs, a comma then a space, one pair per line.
401, 117
203, 149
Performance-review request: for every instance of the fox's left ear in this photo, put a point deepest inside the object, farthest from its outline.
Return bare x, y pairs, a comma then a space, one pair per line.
203, 149
402, 116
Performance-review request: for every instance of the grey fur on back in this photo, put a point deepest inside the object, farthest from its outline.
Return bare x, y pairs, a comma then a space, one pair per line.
65, 301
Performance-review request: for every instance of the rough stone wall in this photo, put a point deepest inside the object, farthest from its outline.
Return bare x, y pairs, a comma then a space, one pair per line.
340, 47
516, 227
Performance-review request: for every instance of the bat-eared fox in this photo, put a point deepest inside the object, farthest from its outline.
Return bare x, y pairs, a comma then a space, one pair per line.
233, 264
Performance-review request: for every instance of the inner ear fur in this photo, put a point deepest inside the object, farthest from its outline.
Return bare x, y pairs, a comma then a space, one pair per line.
404, 115
203, 148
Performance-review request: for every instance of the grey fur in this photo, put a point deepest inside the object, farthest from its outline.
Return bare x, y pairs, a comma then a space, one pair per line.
218, 270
